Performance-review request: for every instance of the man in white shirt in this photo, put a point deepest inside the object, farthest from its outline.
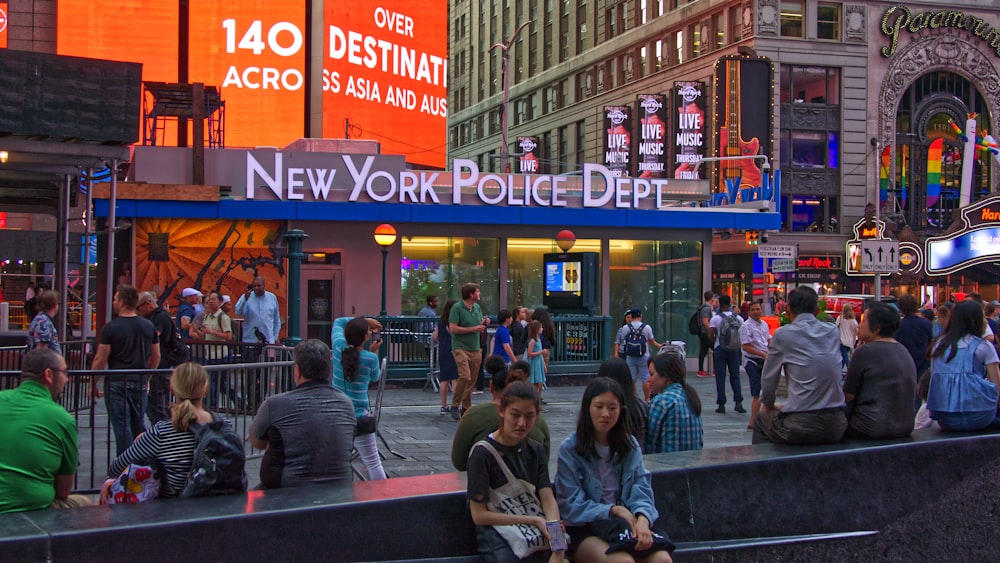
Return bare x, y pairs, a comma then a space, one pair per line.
755, 336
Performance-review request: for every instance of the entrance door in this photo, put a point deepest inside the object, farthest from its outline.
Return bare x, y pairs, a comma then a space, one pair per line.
323, 300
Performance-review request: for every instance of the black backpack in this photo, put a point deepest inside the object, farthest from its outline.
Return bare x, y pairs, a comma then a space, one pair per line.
175, 352
635, 341
694, 323
219, 464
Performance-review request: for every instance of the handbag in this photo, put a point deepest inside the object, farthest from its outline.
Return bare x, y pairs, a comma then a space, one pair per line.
617, 533
516, 497
366, 425
137, 483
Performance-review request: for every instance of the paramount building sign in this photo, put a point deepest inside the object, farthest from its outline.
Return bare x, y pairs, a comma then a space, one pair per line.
378, 179
900, 18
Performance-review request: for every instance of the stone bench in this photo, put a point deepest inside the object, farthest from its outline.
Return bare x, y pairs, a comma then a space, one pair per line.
927, 497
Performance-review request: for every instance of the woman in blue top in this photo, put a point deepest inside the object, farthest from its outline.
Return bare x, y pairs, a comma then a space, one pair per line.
600, 475
354, 369
675, 412
965, 377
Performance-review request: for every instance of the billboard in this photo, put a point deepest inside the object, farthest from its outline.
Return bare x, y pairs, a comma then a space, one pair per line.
618, 140
744, 104
3, 25
385, 76
652, 145
689, 130
529, 155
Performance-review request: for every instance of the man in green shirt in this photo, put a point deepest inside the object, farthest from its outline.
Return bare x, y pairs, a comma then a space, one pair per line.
38, 438
466, 325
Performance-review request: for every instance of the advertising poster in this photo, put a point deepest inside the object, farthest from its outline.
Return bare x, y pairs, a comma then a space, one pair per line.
385, 76
744, 115
618, 140
529, 155
689, 130
3, 25
651, 155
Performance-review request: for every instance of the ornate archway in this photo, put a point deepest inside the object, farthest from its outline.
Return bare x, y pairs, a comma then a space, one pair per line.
936, 51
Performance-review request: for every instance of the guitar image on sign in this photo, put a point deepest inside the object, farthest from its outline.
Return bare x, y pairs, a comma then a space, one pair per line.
744, 171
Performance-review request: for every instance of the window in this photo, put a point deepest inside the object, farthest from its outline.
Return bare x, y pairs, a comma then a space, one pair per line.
581, 22
439, 265
563, 150
810, 213
792, 18
581, 142
547, 46
828, 22
610, 20
735, 25
809, 85
814, 149
680, 48
720, 31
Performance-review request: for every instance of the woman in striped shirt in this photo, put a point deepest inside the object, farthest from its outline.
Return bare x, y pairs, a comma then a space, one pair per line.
169, 444
354, 369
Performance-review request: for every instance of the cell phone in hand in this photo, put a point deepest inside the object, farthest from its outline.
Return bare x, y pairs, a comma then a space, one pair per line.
557, 539
376, 336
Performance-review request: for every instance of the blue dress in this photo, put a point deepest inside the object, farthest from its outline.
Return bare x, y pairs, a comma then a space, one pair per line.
960, 397
446, 362
537, 364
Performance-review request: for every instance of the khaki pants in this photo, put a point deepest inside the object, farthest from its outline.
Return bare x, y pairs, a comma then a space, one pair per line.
469, 364
72, 501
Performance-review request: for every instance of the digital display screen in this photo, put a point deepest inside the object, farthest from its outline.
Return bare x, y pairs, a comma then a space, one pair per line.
562, 276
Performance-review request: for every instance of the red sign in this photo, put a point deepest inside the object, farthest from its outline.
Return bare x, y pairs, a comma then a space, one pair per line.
3, 25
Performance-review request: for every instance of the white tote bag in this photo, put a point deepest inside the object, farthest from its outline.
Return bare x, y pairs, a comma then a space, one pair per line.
518, 497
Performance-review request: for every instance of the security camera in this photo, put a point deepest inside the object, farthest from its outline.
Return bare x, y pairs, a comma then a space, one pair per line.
766, 167
763, 237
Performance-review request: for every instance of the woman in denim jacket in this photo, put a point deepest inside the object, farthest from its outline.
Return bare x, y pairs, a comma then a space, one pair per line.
600, 474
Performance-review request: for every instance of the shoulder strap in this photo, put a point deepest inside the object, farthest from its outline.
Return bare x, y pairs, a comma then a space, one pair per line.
503, 464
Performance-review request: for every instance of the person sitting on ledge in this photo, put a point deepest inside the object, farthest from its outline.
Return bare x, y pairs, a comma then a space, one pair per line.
39, 447
808, 350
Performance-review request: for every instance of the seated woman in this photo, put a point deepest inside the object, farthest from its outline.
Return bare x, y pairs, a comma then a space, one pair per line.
675, 411
881, 383
964, 375
600, 475
637, 409
509, 444
169, 444
485, 418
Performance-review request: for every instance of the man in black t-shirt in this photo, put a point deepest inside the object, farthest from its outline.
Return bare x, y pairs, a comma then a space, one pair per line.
158, 405
128, 342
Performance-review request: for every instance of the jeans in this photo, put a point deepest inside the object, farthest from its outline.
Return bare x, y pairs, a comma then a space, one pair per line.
368, 450
845, 351
494, 549
824, 426
158, 404
727, 359
967, 421
753, 374
126, 406
704, 347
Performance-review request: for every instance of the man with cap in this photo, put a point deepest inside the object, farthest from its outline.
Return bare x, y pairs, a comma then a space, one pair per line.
638, 363
186, 312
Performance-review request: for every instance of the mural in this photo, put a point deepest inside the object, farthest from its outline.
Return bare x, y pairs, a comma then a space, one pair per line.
172, 254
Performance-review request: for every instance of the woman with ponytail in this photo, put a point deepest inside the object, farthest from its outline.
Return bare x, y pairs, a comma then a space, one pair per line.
675, 412
354, 369
169, 444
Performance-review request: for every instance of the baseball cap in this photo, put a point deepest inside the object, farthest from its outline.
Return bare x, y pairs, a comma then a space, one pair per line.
226, 299
189, 291
634, 311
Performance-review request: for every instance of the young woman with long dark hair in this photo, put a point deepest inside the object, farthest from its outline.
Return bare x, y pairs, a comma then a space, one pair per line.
637, 410
354, 369
675, 411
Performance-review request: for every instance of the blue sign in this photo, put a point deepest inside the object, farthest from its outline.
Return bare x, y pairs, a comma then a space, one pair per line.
946, 255
769, 190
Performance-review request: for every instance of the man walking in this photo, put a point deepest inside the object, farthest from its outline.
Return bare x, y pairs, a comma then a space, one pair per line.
427, 328
158, 402
704, 343
42, 331
633, 342
260, 313
307, 433
128, 342
466, 325
808, 351
755, 336
724, 331
39, 446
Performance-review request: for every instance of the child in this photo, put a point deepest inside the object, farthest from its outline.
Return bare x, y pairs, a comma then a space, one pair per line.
535, 356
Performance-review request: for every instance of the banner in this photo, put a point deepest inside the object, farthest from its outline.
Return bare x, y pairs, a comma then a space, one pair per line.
745, 98
3, 25
618, 140
652, 149
529, 154
689, 130
385, 76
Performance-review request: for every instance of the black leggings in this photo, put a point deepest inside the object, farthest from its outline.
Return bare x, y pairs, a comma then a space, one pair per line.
704, 347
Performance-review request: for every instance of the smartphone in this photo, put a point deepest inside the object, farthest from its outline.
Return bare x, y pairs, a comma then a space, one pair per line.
557, 539
376, 336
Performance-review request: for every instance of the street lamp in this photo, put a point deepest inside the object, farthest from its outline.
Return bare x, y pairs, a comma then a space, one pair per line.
385, 236
565, 239
505, 47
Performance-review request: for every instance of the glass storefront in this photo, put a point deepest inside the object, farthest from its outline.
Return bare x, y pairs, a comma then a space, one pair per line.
440, 265
525, 282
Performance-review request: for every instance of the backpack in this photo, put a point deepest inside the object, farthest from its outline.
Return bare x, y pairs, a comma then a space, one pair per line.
694, 323
176, 352
729, 332
218, 467
635, 341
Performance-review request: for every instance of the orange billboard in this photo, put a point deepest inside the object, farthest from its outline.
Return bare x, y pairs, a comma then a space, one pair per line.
254, 51
3, 25
385, 76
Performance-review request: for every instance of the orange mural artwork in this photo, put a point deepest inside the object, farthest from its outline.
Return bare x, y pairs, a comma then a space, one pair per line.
172, 254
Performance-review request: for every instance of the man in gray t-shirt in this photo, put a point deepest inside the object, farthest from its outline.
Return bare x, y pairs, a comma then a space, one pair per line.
307, 432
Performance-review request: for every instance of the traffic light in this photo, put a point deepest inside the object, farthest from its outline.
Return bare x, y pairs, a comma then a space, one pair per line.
752, 238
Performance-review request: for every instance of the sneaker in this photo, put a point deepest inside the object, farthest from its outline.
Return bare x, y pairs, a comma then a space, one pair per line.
721, 409
456, 413
704, 374
446, 409
739, 408
477, 392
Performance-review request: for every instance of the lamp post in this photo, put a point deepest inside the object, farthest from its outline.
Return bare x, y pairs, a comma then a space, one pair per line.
295, 256
385, 236
504, 129
565, 239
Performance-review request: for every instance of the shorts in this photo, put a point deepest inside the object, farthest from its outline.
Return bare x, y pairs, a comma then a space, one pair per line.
639, 368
